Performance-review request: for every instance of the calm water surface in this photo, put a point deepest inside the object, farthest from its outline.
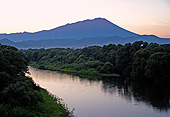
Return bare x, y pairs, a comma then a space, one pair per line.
110, 97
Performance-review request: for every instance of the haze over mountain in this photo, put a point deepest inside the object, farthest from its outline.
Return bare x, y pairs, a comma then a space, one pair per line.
98, 31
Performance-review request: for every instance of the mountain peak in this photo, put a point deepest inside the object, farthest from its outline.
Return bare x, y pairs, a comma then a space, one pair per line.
91, 28
99, 18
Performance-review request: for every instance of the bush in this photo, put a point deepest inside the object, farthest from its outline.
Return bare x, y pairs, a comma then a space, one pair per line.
21, 93
20, 112
4, 110
4, 80
107, 68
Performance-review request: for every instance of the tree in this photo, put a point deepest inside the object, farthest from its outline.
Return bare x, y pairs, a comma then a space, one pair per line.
124, 60
81, 59
158, 66
107, 68
139, 63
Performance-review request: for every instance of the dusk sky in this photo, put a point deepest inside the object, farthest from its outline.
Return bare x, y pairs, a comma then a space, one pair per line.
139, 16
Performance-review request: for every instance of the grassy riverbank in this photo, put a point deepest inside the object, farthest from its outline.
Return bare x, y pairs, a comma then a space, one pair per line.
82, 72
49, 106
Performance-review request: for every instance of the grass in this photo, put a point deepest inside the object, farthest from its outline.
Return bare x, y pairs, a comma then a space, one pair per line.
50, 108
82, 72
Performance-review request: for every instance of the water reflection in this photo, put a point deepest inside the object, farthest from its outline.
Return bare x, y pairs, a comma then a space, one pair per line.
105, 97
154, 95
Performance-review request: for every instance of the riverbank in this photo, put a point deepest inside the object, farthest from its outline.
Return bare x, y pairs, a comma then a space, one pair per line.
88, 73
50, 107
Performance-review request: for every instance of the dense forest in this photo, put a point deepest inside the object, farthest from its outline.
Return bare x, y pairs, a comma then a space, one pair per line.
137, 61
19, 95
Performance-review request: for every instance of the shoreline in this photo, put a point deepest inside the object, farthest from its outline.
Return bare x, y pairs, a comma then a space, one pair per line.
52, 105
80, 73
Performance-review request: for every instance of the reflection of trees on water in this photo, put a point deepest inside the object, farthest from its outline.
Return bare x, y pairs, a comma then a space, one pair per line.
153, 95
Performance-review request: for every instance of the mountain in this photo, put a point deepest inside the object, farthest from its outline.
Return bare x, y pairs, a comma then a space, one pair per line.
82, 29
98, 31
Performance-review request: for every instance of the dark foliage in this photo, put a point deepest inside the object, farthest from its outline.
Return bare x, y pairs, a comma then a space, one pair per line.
17, 93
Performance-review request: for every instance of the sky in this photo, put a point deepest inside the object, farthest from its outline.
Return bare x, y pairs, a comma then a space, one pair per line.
139, 16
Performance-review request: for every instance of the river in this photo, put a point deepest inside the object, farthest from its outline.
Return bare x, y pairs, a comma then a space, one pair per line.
107, 97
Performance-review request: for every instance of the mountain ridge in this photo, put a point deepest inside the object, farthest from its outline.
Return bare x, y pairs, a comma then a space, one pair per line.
73, 43
77, 30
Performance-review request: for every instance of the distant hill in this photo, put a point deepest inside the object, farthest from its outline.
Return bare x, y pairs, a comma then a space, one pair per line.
98, 31
16, 44
74, 43
78, 30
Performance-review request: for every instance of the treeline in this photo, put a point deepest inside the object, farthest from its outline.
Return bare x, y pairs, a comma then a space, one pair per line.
138, 61
19, 95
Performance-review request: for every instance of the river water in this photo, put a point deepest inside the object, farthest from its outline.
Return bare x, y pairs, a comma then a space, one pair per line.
107, 97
